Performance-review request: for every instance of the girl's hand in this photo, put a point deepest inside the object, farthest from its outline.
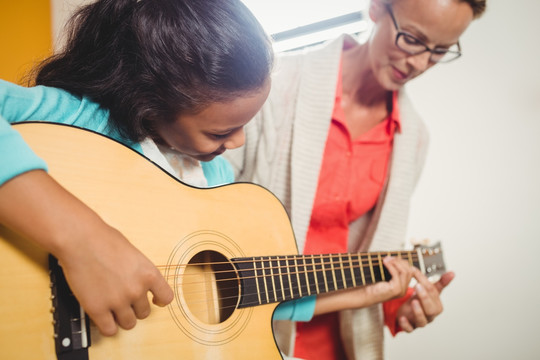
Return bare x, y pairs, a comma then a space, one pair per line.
107, 274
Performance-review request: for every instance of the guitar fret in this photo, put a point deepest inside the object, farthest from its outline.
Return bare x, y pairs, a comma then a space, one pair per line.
281, 278
386, 272
273, 280
361, 263
308, 284
265, 279
381, 269
293, 278
315, 274
319, 272
324, 273
347, 265
410, 258
352, 270
257, 281
371, 269
333, 272
298, 276
289, 276
303, 275
342, 272
340, 280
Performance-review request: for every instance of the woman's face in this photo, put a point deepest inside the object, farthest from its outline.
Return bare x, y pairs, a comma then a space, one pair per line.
437, 23
219, 127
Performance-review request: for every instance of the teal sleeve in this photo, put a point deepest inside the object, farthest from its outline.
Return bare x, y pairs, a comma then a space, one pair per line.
48, 104
296, 310
41, 103
218, 171
16, 156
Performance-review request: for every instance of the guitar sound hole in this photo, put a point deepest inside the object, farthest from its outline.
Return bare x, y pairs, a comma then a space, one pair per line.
210, 287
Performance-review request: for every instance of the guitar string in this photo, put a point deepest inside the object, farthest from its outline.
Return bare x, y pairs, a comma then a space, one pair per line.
277, 295
203, 304
307, 275
317, 265
333, 257
263, 276
273, 295
315, 269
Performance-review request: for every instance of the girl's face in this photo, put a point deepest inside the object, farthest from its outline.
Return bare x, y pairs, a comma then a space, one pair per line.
437, 23
219, 127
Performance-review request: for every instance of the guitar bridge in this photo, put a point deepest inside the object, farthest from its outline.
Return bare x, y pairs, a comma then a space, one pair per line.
71, 324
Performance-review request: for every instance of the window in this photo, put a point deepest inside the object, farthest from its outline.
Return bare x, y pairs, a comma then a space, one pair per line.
297, 23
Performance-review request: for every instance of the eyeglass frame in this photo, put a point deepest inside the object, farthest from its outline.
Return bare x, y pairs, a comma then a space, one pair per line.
421, 43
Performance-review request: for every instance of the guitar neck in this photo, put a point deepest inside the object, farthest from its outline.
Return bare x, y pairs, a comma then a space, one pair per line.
269, 279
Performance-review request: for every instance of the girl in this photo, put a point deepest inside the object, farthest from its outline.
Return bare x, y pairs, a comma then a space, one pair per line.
174, 79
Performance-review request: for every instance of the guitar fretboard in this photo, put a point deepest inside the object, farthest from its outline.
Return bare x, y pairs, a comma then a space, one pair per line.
269, 279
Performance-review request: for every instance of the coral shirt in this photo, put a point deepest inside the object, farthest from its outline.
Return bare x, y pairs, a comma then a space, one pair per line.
351, 179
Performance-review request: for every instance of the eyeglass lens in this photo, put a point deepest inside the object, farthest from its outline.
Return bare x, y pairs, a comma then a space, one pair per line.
413, 46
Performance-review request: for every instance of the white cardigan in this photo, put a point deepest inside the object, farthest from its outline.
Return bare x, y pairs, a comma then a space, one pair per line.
284, 150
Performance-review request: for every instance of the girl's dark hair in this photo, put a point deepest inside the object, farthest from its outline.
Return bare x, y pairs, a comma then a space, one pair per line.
148, 61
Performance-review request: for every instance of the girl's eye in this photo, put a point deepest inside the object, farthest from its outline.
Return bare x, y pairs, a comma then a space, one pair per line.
220, 136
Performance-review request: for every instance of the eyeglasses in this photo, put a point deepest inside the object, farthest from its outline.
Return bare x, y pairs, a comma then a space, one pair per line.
413, 46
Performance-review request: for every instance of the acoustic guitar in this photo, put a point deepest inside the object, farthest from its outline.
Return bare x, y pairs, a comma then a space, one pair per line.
228, 253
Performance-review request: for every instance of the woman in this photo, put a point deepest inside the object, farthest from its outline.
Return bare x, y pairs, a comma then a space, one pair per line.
341, 145
174, 79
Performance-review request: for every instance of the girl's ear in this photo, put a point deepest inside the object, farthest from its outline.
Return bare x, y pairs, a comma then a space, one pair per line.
377, 9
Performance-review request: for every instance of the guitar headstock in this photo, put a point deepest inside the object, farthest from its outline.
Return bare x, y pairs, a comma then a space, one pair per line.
432, 262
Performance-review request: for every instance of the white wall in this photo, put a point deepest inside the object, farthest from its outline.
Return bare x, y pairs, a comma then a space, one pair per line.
480, 192
61, 10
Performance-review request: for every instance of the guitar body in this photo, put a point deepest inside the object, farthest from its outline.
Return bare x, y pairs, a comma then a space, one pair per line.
172, 224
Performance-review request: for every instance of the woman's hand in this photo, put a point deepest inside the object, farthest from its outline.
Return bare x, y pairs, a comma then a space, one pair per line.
365, 296
107, 274
425, 304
